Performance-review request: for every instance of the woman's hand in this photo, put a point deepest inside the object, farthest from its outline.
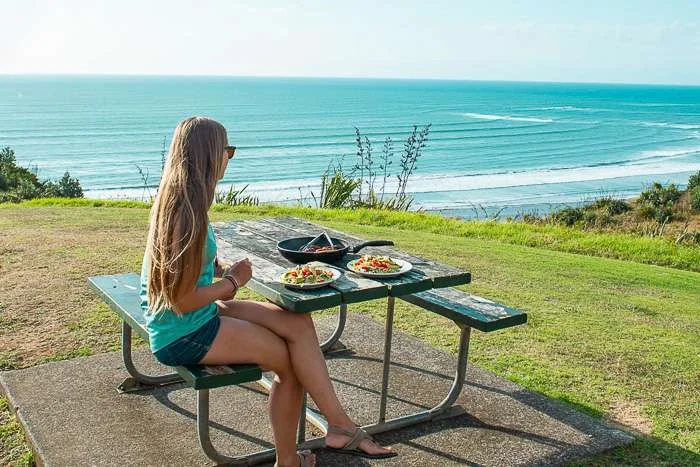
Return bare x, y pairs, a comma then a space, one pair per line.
220, 267
241, 271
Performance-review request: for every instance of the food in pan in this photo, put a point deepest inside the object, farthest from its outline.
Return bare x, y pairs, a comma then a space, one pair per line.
320, 249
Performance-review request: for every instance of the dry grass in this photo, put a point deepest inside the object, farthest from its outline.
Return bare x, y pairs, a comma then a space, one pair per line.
45, 303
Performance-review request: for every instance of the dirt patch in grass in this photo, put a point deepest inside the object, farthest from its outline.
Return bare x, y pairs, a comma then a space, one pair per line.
630, 416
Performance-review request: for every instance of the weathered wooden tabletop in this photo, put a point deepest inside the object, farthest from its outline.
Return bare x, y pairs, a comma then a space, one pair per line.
257, 240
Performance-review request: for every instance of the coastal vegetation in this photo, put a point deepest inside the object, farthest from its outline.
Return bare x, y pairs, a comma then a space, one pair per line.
659, 211
366, 184
21, 183
613, 338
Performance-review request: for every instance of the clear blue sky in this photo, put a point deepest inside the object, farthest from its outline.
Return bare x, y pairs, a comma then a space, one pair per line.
635, 41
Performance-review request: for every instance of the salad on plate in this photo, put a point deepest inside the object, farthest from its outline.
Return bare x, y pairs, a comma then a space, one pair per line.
305, 276
379, 266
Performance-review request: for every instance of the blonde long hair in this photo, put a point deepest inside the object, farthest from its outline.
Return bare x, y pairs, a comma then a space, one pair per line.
179, 218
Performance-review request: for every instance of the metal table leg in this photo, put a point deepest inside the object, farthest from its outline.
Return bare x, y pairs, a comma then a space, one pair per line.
442, 407
387, 357
338, 331
139, 380
301, 430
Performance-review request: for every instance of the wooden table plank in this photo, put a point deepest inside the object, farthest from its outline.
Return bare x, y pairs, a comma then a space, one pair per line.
251, 236
265, 281
441, 275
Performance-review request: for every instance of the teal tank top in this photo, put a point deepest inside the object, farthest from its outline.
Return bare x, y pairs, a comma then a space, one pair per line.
165, 327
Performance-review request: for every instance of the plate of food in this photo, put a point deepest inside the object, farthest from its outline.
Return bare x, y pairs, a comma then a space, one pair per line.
379, 267
307, 276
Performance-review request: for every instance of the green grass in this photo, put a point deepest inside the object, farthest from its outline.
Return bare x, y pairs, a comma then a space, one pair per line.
602, 333
629, 247
13, 450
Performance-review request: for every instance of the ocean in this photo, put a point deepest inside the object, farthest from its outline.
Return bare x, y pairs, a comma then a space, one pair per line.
522, 146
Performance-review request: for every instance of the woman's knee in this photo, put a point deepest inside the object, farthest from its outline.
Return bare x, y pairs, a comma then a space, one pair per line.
299, 325
280, 361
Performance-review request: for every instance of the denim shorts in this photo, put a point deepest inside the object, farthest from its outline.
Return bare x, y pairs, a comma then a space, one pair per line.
190, 349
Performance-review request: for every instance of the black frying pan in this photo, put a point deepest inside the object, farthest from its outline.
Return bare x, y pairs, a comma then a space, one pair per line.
289, 248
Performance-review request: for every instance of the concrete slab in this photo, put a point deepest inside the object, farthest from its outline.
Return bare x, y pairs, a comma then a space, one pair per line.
74, 416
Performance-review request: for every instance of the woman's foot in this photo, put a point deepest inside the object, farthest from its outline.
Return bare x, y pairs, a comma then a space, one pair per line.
302, 459
338, 437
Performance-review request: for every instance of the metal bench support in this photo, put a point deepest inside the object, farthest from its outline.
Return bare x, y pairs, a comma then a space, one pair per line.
266, 455
138, 380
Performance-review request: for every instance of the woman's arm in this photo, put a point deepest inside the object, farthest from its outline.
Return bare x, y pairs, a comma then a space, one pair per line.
220, 267
205, 295
240, 273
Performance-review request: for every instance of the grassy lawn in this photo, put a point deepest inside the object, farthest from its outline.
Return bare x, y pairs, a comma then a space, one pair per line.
615, 338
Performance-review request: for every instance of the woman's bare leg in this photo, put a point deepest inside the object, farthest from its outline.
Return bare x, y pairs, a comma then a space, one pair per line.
240, 341
297, 329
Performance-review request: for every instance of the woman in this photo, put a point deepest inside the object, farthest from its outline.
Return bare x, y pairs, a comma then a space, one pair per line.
193, 320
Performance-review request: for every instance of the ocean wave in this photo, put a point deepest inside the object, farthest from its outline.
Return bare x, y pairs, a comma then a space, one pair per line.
286, 190
466, 183
566, 108
658, 104
571, 108
679, 126
507, 117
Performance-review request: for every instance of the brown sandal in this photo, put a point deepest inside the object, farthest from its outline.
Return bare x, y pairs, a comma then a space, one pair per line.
352, 446
303, 458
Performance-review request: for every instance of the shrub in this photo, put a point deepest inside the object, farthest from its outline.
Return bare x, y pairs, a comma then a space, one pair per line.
662, 199
646, 211
589, 218
70, 187
612, 206
568, 216
694, 181
234, 197
67, 187
695, 198
25, 189
19, 183
336, 191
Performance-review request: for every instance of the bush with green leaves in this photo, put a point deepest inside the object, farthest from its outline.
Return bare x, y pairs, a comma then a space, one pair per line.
662, 199
694, 181
695, 198
610, 205
20, 183
568, 216
336, 190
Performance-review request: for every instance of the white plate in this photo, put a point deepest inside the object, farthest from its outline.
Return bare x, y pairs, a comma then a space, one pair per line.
405, 267
336, 276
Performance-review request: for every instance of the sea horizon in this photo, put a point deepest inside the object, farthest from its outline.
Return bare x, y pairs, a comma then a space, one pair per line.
496, 144
346, 77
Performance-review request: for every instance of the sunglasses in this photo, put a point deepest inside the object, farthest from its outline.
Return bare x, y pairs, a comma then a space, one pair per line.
230, 150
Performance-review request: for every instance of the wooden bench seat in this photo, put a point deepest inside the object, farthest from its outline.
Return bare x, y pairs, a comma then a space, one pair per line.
468, 310
121, 293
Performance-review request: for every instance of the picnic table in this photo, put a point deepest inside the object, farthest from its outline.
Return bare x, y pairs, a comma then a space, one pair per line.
257, 240
428, 285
